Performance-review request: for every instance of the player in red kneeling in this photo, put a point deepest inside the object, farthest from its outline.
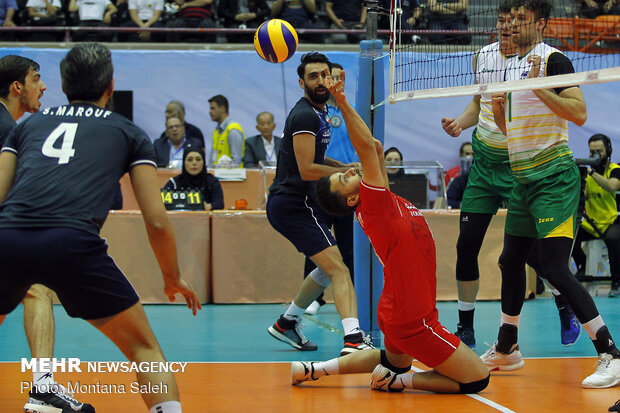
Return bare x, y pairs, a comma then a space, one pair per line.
407, 313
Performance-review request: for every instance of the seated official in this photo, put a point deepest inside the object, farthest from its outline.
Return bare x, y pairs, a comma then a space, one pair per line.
169, 149
195, 176
393, 157
263, 147
602, 183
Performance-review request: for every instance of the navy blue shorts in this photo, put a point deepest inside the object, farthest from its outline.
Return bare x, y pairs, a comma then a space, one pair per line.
73, 263
301, 221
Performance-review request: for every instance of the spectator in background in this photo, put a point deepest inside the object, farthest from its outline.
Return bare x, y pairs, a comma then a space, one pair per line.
346, 14
7, 12
591, 9
448, 15
411, 17
169, 149
93, 13
195, 176
465, 151
194, 13
300, 14
177, 108
144, 14
262, 147
43, 12
393, 157
228, 136
242, 14
457, 186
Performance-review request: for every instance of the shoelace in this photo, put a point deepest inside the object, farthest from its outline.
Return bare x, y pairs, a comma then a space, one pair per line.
491, 351
603, 364
298, 326
64, 393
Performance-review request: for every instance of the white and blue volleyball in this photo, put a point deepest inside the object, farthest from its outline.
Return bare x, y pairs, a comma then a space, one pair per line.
275, 41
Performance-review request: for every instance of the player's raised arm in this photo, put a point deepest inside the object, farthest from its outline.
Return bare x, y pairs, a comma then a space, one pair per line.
161, 236
360, 135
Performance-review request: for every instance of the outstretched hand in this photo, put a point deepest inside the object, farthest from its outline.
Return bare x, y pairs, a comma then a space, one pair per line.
337, 88
185, 289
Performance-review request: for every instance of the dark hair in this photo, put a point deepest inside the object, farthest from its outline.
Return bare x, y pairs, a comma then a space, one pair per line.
600, 137
505, 6
464, 144
393, 149
86, 72
336, 66
312, 57
14, 68
220, 101
332, 202
541, 8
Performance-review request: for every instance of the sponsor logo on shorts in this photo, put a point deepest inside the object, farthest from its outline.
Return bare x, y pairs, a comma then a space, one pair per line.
543, 220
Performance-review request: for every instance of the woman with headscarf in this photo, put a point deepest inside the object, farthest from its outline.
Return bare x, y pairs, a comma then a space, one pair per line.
195, 176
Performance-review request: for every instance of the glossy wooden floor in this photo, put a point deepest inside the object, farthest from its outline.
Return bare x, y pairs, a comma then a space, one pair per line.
236, 367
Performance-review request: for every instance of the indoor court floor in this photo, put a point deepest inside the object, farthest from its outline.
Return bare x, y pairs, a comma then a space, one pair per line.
235, 366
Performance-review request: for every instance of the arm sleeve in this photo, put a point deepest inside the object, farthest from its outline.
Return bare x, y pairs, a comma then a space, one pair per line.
559, 64
615, 173
142, 151
9, 141
305, 121
235, 140
216, 195
249, 157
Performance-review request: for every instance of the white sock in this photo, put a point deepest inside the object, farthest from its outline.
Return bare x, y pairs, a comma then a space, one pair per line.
166, 407
350, 326
407, 379
593, 326
510, 319
465, 306
294, 312
325, 368
43, 379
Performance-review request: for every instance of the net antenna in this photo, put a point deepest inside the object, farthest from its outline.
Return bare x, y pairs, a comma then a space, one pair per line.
441, 67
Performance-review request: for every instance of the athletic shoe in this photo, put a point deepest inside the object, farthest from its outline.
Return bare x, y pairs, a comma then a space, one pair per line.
356, 342
495, 360
58, 400
570, 327
385, 379
302, 371
615, 407
614, 291
289, 332
313, 308
607, 373
466, 335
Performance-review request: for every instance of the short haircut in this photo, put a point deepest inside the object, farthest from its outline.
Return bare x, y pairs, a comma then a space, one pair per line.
86, 72
393, 149
463, 145
336, 66
505, 7
179, 104
541, 8
603, 138
220, 101
264, 113
312, 57
14, 68
332, 202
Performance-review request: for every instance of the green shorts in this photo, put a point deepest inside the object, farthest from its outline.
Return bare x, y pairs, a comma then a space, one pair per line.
487, 186
545, 208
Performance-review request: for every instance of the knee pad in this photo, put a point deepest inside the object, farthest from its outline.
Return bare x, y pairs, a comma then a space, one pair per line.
474, 386
320, 277
386, 363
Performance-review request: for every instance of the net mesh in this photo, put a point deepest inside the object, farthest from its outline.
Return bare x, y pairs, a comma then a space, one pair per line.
434, 56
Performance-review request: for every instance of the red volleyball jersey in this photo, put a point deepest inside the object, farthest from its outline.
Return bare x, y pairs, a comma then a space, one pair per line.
406, 248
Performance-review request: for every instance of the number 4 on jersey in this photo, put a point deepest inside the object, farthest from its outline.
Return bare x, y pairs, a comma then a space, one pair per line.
66, 131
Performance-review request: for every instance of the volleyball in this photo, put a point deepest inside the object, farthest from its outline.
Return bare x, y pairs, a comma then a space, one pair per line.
275, 41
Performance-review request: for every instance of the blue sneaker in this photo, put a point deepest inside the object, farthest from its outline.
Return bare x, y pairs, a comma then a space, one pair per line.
466, 335
570, 327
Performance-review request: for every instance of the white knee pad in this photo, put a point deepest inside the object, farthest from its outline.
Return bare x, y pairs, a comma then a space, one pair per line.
320, 277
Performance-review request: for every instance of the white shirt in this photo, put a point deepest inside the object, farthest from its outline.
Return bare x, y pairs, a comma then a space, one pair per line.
146, 8
92, 9
270, 149
39, 6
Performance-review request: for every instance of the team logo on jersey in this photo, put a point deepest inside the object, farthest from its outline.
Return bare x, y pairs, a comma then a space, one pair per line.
335, 121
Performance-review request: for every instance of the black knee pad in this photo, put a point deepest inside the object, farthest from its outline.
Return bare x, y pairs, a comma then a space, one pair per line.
386, 363
474, 386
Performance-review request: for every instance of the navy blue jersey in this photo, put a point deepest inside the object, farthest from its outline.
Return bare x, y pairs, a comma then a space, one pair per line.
6, 124
303, 118
69, 161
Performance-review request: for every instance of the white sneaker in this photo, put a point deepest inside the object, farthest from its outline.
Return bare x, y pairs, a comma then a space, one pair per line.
495, 360
386, 380
313, 308
607, 373
301, 371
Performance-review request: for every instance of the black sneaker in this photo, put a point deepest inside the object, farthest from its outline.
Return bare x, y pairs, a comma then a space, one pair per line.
466, 335
356, 342
289, 332
58, 400
615, 407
